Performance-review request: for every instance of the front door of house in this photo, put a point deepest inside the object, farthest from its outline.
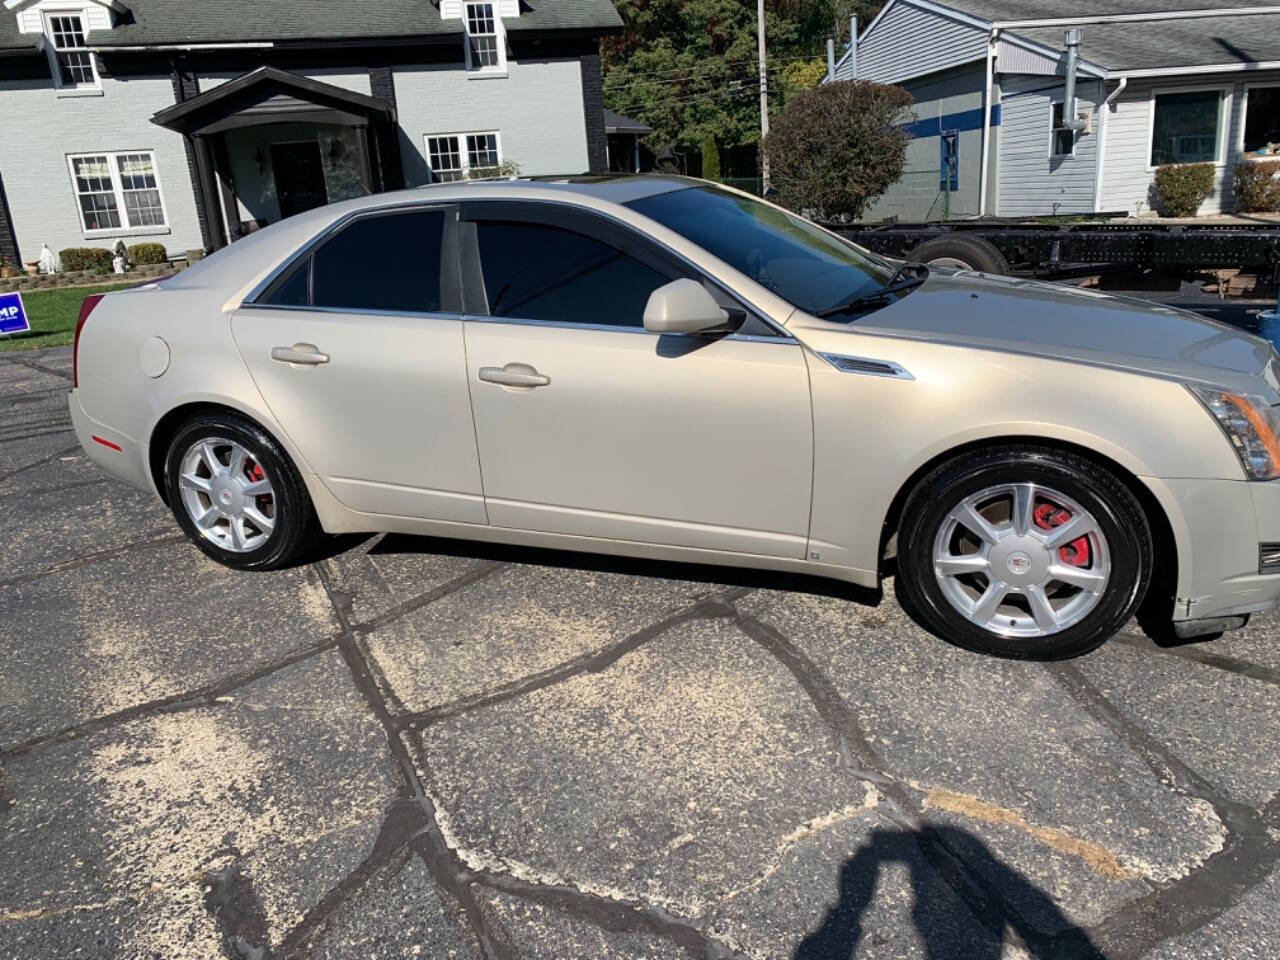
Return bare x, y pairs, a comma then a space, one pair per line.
299, 174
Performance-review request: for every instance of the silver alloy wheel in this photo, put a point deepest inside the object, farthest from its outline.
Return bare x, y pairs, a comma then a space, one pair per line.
1021, 560
227, 494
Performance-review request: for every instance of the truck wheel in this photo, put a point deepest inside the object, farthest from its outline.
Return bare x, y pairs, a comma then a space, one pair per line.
963, 253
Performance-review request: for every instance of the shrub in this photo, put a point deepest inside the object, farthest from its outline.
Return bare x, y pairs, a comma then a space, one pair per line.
86, 258
1181, 188
148, 253
710, 159
1257, 189
503, 171
835, 147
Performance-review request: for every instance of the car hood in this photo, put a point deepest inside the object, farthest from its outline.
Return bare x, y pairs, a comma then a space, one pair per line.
1028, 316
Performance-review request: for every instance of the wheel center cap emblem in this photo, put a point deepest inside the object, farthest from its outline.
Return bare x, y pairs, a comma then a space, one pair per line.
1019, 563
225, 497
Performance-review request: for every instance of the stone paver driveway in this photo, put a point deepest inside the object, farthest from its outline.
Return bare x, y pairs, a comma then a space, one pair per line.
420, 748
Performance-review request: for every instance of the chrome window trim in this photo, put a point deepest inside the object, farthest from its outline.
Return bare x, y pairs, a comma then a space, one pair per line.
784, 338
354, 311
895, 371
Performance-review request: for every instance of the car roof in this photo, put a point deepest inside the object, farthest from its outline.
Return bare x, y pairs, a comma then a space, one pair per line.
610, 187
286, 237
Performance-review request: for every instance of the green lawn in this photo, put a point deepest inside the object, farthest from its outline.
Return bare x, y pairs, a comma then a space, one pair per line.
52, 314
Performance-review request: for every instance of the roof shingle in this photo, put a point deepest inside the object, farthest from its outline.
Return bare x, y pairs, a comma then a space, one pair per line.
168, 22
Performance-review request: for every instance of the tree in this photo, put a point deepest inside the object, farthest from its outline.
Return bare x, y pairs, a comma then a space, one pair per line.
836, 147
689, 69
710, 159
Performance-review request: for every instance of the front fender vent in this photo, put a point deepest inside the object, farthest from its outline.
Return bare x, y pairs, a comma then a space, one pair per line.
874, 368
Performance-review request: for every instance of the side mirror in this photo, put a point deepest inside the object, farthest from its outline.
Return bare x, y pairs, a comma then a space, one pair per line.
684, 306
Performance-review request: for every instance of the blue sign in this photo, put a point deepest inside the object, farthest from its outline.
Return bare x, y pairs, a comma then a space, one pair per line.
13, 319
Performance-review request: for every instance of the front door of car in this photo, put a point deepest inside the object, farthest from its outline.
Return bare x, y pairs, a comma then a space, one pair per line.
358, 351
588, 425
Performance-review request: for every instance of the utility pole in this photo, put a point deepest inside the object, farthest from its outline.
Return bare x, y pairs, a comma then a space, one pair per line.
764, 96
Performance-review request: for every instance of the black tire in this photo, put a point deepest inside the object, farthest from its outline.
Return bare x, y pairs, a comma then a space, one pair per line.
295, 525
1119, 516
974, 252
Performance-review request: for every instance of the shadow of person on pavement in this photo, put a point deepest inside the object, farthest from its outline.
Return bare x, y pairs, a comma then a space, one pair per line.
946, 923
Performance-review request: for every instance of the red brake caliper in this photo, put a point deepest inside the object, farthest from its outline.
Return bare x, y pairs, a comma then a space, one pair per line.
1047, 516
255, 473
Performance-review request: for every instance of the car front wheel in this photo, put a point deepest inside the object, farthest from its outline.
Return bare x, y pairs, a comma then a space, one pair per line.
1024, 552
237, 495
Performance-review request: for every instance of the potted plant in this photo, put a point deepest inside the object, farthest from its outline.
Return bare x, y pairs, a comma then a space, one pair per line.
7, 269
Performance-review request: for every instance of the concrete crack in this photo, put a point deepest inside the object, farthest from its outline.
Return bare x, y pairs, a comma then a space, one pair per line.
206, 695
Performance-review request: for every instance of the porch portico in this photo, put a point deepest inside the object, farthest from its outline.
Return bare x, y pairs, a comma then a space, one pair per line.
270, 144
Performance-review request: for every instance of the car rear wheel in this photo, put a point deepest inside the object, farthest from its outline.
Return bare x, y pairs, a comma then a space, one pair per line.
1024, 552
237, 495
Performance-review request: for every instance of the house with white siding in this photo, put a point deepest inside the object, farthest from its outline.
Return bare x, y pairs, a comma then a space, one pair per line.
1156, 82
193, 122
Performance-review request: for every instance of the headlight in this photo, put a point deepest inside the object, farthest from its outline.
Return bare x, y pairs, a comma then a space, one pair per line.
1251, 425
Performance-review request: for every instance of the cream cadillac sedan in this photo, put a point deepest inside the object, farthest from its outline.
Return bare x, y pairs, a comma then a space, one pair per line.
664, 368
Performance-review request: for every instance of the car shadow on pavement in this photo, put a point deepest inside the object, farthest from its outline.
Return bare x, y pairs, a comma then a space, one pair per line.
629, 566
1001, 899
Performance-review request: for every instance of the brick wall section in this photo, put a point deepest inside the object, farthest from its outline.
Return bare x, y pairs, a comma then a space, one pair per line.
8, 241
382, 84
185, 87
593, 112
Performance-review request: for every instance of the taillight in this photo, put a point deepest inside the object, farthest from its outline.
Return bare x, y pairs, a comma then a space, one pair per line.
86, 308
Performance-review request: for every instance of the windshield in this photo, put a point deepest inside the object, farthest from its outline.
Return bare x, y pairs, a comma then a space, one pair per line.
801, 263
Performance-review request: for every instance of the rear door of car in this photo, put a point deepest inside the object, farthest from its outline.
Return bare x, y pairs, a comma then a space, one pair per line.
589, 425
357, 348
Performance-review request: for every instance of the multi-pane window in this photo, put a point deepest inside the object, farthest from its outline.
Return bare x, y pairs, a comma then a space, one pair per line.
484, 45
457, 156
1063, 143
482, 151
141, 191
444, 158
74, 62
117, 191
98, 207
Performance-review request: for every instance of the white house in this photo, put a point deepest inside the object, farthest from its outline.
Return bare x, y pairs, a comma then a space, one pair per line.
1158, 82
191, 122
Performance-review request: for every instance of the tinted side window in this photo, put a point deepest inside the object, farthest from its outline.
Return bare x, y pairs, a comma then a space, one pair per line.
537, 272
292, 288
386, 262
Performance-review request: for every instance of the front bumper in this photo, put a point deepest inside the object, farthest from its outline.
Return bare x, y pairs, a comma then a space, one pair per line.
115, 452
1218, 526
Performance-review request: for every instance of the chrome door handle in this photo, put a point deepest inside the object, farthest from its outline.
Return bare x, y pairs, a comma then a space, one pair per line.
514, 375
304, 353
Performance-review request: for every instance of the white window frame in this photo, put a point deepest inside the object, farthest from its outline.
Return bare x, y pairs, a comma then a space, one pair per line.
1224, 119
1053, 140
64, 89
500, 38
1244, 119
464, 155
113, 165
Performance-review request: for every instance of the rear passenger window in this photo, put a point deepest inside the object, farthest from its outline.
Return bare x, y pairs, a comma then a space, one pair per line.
292, 288
537, 272
386, 262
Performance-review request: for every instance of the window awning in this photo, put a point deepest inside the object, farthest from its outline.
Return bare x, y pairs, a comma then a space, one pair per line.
271, 95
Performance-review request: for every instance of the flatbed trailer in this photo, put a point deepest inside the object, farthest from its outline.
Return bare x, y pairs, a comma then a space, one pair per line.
1175, 250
